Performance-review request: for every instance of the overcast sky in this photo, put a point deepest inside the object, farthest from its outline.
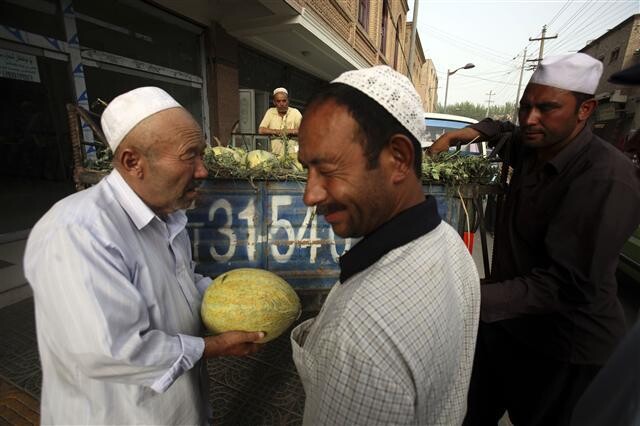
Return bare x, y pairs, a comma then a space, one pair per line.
493, 35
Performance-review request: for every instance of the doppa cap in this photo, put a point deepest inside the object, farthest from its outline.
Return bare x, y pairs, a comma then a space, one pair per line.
127, 110
392, 91
577, 72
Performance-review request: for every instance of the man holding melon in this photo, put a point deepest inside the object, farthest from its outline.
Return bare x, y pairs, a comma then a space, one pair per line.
117, 300
394, 341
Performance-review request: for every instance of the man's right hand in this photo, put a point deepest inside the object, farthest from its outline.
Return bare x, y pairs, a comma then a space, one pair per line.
234, 343
452, 137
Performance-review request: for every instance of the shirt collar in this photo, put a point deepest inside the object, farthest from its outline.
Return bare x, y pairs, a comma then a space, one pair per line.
403, 228
137, 210
560, 161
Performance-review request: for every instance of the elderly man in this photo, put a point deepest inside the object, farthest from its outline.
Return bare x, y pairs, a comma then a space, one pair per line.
116, 297
551, 317
394, 341
281, 123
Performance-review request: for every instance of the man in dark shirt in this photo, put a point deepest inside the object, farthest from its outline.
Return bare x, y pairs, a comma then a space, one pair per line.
613, 398
550, 316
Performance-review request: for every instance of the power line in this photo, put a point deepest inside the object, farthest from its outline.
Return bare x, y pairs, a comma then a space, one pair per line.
577, 39
477, 46
585, 26
501, 73
507, 86
570, 22
483, 79
557, 15
470, 47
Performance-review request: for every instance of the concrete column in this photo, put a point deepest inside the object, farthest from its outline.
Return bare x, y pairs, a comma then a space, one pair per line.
222, 82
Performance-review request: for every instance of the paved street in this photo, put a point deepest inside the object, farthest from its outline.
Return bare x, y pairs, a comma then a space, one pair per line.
260, 390
263, 389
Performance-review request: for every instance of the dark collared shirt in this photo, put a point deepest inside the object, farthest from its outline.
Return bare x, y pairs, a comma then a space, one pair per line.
557, 244
405, 227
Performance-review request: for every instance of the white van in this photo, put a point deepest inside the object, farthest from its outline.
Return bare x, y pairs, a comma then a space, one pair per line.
437, 124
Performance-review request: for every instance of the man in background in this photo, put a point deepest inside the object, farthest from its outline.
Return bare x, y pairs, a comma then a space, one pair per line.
613, 398
281, 123
550, 316
117, 301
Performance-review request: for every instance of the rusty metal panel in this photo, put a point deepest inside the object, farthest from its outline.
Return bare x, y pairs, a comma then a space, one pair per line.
266, 225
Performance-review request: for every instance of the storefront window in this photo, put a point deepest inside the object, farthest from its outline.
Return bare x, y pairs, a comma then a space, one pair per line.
34, 135
41, 17
125, 29
106, 84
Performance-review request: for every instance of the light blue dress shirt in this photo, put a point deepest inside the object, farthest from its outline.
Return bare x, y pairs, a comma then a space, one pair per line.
117, 311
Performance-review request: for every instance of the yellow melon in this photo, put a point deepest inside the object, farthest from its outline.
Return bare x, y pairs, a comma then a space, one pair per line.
250, 299
260, 159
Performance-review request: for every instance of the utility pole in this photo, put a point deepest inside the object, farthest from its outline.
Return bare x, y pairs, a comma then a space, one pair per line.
541, 39
515, 107
491, 93
412, 43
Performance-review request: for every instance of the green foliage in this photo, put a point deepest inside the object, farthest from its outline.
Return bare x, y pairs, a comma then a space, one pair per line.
452, 169
102, 161
447, 168
227, 166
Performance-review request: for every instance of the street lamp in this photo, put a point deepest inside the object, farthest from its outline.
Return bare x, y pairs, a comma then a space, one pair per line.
446, 90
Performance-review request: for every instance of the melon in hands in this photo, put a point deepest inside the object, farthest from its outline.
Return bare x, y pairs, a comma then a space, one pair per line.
249, 299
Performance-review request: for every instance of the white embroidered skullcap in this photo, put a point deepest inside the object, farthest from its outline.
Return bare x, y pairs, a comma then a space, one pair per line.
281, 90
577, 72
392, 91
127, 110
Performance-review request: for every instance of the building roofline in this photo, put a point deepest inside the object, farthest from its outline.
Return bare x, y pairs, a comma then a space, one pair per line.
617, 27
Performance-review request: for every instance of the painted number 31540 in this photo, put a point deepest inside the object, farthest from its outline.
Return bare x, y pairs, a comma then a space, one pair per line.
280, 234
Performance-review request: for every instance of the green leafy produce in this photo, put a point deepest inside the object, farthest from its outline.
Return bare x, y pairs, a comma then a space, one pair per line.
257, 164
450, 169
455, 169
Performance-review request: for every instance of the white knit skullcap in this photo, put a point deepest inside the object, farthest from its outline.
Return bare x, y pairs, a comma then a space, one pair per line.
392, 91
281, 90
127, 110
577, 72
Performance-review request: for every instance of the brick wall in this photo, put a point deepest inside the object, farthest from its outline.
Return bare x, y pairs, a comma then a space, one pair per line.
625, 38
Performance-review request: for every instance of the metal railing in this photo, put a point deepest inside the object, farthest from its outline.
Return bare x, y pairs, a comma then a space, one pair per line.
250, 141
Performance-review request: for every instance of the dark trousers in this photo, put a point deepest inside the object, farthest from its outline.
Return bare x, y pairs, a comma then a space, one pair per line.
508, 375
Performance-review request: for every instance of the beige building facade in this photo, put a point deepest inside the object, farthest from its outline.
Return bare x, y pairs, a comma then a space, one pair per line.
322, 38
618, 111
221, 59
423, 72
429, 81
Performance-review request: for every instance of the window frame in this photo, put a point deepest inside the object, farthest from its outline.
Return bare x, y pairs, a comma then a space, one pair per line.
383, 26
615, 54
363, 13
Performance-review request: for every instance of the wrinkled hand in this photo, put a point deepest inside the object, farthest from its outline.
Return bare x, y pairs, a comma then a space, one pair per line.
448, 139
233, 343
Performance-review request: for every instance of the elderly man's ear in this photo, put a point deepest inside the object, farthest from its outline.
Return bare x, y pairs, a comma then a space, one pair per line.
131, 161
401, 157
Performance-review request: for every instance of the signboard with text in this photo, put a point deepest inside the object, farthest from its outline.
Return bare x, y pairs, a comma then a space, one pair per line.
18, 66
